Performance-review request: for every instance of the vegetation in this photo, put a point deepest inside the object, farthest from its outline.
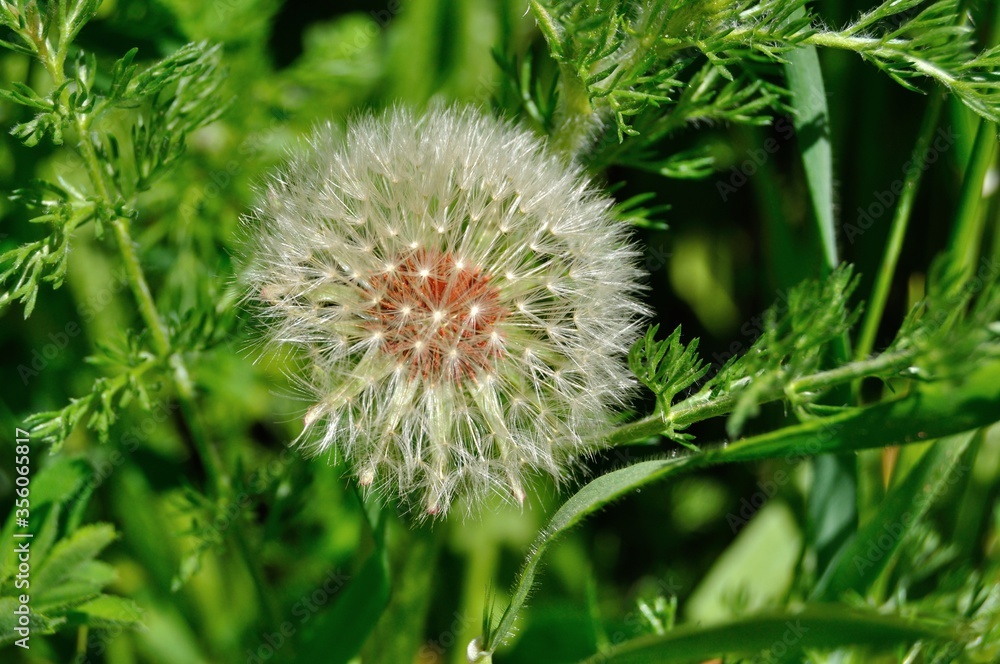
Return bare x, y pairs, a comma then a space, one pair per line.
811, 469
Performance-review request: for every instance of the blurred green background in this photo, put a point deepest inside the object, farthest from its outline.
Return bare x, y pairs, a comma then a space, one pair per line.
736, 241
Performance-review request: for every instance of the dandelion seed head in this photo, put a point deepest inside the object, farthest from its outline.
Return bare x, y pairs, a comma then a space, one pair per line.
463, 298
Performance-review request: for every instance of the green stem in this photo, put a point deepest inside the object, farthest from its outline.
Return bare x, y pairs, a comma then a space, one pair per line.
481, 559
967, 233
897, 233
219, 482
703, 406
886, 363
400, 631
159, 337
256, 575
871, 48
575, 118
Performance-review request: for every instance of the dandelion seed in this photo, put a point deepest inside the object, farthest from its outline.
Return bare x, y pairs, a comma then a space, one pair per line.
456, 347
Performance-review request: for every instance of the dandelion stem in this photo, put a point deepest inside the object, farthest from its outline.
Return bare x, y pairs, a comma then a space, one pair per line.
399, 633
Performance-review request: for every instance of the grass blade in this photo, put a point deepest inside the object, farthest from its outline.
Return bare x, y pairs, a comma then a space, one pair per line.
337, 634
805, 80
821, 626
970, 220
858, 566
897, 232
836, 477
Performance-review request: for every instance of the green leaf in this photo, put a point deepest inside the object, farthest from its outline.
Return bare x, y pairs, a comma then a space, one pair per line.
69, 553
336, 635
812, 124
189, 61
824, 627
46, 535
24, 95
756, 569
38, 624
61, 480
930, 411
84, 583
832, 505
666, 367
106, 611
964, 243
862, 560
122, 74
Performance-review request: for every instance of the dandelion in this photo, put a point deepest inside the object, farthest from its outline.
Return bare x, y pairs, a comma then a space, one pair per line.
464, 300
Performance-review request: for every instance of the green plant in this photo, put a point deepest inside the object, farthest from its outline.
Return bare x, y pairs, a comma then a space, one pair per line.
138, 143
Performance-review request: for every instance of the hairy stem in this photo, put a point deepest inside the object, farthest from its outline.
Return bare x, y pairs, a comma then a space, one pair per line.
219, 483
575, 118
705, 405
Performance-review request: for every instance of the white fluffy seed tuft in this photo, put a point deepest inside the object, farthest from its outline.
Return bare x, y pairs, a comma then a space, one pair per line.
464, 298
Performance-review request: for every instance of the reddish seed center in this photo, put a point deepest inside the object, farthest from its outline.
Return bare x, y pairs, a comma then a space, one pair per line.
437, 315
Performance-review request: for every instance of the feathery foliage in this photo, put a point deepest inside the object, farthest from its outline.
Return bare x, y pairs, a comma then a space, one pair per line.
653, 67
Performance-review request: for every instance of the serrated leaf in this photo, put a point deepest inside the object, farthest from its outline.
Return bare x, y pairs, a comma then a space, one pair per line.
86, 582
71, 552
106, 611
9, 621
666, 367
57, 483
60, 480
